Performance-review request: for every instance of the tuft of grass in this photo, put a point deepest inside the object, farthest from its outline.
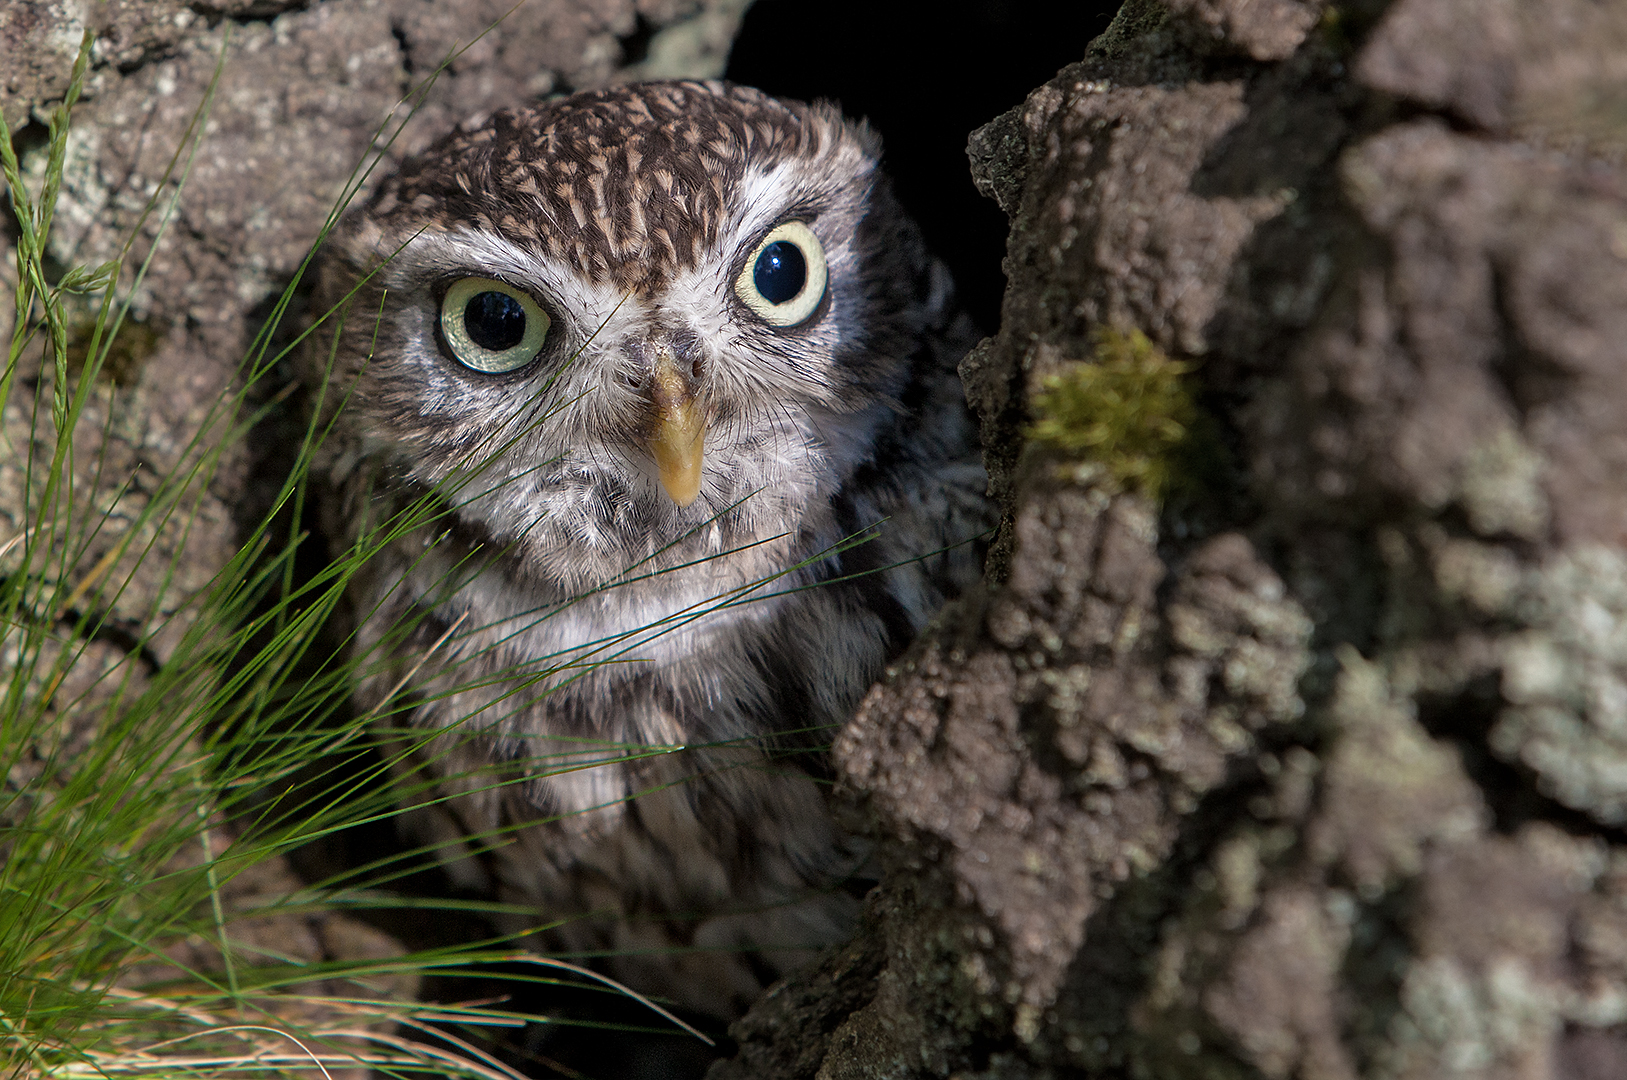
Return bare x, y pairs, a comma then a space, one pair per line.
1126, 413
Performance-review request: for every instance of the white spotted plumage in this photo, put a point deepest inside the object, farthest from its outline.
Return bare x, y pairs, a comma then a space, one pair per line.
742, 624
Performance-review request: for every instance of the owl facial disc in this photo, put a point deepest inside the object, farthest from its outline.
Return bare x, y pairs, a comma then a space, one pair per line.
677, 442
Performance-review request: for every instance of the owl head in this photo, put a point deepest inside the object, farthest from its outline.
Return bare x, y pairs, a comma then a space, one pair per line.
649, 319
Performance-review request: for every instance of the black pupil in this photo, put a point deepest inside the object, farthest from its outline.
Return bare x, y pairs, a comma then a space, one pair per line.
495, 321
780, 273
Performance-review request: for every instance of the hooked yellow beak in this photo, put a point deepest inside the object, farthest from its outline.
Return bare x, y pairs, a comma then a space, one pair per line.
678, 441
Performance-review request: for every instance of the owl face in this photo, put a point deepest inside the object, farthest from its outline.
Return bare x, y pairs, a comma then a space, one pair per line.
657, 321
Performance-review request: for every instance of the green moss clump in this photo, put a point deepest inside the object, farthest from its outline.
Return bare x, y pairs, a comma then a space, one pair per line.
1127, 411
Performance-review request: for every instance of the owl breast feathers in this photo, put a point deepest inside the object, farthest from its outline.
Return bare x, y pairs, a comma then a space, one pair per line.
647, 396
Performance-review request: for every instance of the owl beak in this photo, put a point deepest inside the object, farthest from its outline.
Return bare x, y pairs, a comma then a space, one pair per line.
679, 436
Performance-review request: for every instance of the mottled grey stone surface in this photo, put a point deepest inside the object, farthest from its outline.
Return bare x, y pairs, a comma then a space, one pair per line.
1319, 773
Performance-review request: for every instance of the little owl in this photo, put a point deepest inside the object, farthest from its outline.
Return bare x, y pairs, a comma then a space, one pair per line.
649, 394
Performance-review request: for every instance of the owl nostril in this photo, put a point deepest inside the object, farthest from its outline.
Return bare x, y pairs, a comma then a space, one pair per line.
697, 369
634, 381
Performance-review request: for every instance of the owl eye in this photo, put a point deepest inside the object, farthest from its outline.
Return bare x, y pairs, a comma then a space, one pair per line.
784, 280
491, 326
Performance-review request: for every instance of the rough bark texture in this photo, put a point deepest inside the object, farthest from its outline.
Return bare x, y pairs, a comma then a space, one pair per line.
1320, 774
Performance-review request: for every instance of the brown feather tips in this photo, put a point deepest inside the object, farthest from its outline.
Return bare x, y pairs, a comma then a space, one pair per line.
629, 183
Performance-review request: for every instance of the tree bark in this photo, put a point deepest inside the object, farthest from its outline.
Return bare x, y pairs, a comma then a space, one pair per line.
1313, 768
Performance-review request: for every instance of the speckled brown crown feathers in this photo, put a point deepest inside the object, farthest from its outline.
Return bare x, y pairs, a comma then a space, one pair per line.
629, 183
